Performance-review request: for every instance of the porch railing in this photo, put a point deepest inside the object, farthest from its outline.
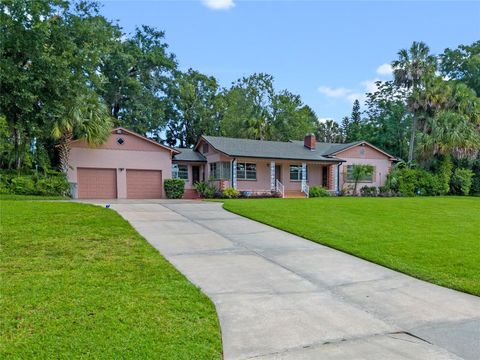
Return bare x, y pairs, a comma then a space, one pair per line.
305, 188
280, 188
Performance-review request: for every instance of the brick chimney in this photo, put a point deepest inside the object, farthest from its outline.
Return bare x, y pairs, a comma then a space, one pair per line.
309, 142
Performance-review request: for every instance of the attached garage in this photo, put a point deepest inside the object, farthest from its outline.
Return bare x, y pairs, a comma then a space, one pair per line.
97, 183
126, 166
144, 184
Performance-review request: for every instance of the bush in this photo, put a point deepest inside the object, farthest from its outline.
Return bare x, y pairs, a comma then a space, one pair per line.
230, 193
54, 185
318, 191
174, 188
368, 191
205, 190
411, 182
461, 181
34, 184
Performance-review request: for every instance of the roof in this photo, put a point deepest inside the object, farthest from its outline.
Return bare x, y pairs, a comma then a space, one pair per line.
328, 149
292, 150
188, 155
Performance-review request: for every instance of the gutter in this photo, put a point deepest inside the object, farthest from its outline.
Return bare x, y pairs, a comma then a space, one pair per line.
338, 178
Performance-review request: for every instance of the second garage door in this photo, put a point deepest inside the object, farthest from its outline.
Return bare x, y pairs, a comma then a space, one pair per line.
144, 184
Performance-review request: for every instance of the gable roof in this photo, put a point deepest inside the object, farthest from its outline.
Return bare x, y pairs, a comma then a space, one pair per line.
189, 155
362, 142
119, 130
328, 149
291, 150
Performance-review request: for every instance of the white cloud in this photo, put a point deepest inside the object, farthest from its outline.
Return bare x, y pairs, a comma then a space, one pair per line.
324, 120
334, 92
370, 85
218, 4
385, 70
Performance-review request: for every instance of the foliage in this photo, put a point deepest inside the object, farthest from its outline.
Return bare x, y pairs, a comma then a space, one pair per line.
461, 181
34, 184
429, 238
411, 182
369, 190
230, 193
99, 286
174, 188
360, 171
205, 189
318, 191
329, 131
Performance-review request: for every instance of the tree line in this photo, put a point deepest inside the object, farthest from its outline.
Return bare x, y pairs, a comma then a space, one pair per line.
66, 72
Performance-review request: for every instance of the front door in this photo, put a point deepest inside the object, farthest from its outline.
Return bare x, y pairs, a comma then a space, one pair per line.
278, 173
195, 174
325, 176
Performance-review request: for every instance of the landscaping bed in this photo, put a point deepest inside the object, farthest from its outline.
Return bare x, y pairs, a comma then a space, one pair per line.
432, 238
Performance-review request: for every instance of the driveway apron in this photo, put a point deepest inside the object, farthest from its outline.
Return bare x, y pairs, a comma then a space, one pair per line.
279, 296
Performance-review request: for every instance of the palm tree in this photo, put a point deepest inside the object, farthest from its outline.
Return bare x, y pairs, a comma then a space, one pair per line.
360, 172
410, 71
88, 119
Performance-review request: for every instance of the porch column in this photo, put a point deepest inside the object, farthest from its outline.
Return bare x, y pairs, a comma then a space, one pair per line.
273, 185
304, 175
335, 178
234, 173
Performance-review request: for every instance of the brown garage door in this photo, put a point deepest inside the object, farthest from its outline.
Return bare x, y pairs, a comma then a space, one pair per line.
144, 184
97, 183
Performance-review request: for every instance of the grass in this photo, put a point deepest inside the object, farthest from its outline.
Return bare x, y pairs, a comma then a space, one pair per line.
30, 197
434, 239
77, 281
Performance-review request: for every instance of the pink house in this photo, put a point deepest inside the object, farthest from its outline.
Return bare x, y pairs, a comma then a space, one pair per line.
131, 166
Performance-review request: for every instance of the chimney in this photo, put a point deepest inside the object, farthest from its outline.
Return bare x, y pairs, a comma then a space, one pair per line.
309, 142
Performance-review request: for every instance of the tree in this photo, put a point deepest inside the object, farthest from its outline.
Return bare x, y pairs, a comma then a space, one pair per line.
412, 68
388, 119
353, 130
360, 172
329, 131
88, 119
50, 52
462, 64
139, 82
196, 107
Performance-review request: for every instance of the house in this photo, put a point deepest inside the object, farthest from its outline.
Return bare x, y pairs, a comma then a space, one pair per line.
131, 166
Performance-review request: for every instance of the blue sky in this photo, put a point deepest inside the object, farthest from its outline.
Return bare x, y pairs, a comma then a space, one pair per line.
328, 52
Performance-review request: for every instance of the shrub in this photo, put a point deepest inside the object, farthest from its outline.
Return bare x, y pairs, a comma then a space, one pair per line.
53, 185
318, 191
230, 193
461, 181
205, 190
368, 191
28, 183
23, 185
174, 188
411, 182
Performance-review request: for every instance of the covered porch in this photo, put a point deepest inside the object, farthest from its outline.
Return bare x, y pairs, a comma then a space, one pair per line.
289, 178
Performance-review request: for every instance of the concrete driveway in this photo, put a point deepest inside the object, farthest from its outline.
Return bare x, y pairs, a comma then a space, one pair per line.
279, 296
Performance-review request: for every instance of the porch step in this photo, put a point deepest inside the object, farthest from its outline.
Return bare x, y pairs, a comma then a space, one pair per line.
294, 194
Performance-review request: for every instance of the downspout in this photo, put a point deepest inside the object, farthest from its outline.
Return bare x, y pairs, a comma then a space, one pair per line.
232, 181
338, 177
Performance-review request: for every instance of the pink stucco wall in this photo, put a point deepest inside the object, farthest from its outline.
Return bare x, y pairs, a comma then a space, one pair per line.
135, 153
365, 155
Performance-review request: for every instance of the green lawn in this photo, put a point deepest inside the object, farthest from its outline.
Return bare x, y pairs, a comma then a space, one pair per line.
435, 239
77, 281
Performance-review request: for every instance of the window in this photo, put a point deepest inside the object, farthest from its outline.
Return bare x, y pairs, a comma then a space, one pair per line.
366, 178
296, 173
180, 171
205, 148
246, 171
120, 141
220, 170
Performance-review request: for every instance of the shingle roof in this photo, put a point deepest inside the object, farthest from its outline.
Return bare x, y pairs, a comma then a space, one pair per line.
188, 155
292, 150
331, 148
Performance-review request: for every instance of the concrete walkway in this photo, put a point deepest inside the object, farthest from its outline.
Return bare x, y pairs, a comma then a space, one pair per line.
279, 296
